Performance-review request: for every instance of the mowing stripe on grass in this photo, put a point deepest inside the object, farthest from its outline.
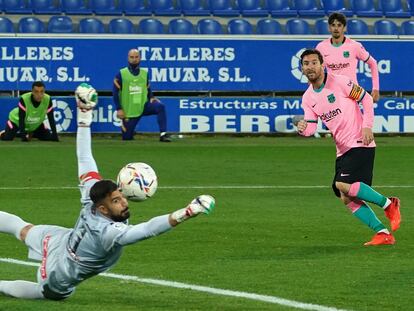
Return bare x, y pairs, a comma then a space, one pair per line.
208, 187
204, 289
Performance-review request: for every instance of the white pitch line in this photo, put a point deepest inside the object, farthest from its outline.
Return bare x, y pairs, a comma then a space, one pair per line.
204, 289
210, 187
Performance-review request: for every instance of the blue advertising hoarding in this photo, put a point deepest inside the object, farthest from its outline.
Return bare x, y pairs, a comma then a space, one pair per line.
220, 115
186, 64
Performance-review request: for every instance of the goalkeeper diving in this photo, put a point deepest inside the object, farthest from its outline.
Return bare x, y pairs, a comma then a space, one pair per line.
70, 256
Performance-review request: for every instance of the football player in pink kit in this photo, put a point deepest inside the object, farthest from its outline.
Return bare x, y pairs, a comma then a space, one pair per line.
335, 100
341, 54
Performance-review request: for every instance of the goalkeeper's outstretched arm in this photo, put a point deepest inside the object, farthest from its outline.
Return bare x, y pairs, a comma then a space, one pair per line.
202, 204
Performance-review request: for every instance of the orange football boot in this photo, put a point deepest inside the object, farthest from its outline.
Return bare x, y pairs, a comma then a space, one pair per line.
381, 239
393, 213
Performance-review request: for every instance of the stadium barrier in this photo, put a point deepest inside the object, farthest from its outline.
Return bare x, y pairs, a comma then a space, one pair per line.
220, 115
188, 63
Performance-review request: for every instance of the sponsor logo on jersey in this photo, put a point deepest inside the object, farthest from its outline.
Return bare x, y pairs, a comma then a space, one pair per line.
135, 89
338, 66
328, 116
31, 119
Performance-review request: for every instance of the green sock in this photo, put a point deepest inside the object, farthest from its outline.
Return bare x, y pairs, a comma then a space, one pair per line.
368, 217
368, 194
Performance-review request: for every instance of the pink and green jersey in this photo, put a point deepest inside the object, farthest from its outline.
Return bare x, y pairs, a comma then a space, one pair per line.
336, 103
343, 59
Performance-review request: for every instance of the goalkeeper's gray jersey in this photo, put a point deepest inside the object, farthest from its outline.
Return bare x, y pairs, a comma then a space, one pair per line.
92, 246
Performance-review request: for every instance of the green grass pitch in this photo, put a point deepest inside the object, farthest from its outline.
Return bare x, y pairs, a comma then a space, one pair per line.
267, 235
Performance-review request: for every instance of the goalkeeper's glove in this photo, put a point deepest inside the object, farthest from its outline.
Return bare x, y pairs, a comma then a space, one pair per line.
86, 96
201, 204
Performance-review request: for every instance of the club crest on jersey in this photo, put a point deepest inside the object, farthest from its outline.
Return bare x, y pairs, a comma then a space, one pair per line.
331, 98
346, 54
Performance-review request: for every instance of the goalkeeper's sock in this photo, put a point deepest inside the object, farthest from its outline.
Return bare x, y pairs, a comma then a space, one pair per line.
11, 224
21, 289
368, 217
84, 117
364, 192
86, 162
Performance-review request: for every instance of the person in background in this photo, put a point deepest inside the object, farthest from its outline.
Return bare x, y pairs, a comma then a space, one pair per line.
341, 54
26, 120
133, 98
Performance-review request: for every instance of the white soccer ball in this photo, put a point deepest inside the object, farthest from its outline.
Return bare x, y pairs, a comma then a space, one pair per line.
137, 181
86, 96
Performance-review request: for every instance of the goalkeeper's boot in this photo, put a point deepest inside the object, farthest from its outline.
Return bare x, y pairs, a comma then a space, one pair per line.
203, 204
393, 213
381, 238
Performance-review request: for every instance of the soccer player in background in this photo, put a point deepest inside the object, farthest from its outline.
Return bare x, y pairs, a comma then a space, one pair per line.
134, 99
27, 118
341, 54
335, 100
70, 256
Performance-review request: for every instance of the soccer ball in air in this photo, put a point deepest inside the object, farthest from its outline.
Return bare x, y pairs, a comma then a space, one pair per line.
86, 96
137, 181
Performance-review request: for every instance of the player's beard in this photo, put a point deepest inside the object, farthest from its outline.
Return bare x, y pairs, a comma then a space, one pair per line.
134, 66
336, 35
315, 77
121, 217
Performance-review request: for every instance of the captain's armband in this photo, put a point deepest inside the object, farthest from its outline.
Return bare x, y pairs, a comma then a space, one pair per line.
357, 92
